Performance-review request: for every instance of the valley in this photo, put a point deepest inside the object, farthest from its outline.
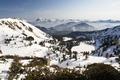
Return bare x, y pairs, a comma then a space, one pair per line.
28, 48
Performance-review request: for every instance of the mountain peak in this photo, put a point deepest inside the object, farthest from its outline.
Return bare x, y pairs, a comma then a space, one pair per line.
21, 26
20, 35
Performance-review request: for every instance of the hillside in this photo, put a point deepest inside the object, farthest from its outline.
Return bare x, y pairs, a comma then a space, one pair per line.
17, 37
28, 48
106, 42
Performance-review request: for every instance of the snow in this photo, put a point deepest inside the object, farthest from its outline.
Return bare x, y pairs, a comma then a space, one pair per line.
54, 62
13, 29
66, 38
22, 48
22, 76
24, 62
109, 50
82, 47
36, 32
82, 62
4, 68
34, 50
9, 30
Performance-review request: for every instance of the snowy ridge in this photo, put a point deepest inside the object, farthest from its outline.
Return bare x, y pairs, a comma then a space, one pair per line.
18, 36
21, 26
107, 42
111, 31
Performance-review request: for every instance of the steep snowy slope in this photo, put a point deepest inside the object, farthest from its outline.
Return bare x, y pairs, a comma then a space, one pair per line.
17, 37
107, 41
111, 31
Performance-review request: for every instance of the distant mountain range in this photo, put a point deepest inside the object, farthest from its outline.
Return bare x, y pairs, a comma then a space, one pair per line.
74, 26
58, 26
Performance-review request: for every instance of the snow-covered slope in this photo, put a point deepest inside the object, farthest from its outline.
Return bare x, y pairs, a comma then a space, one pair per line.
82, 47
111, 31
17, 37
108, 42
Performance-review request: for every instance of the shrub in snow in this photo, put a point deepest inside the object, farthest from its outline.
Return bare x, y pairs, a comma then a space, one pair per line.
86, 54
38, 62
30, 29
30, 44
39, 74
64, 57
35, 42
30, 38
22, 24
7, 41
75, 55
118, 60
42, 43
45, 74
0, 51
15, 69
3, 59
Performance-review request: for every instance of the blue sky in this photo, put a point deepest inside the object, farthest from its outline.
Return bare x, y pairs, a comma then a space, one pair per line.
63, 9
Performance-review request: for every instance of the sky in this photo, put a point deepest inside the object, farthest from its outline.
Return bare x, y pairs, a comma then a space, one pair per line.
61, 9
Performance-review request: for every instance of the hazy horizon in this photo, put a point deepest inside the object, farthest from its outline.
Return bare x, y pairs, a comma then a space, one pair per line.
61, 9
